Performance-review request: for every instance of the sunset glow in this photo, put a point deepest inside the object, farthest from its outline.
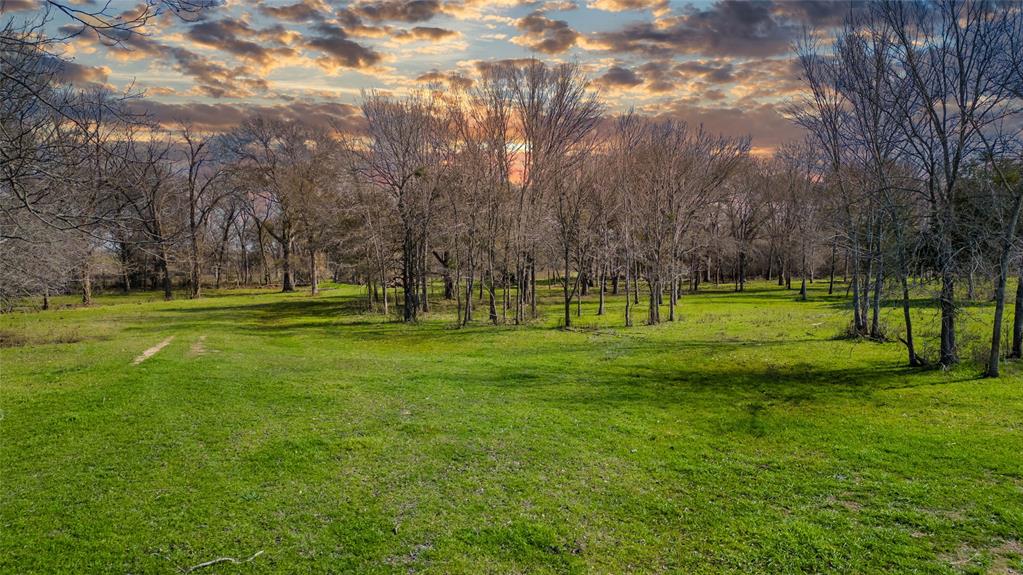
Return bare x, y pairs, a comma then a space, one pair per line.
727, 65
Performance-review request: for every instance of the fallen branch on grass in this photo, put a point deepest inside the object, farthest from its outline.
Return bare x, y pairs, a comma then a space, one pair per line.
223, 560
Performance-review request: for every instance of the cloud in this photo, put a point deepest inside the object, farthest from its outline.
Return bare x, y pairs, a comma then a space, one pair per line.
657, 6
231, 36
18, 5
619, 77
558, 6
544, 34
219, 117
215, 79
713, 71
484, 65
425, 33
766, 123
79, 75
338, 51
398, 11
302, 11
454, 80
726, 28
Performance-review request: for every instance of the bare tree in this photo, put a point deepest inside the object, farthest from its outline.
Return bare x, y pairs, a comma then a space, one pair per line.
403, 156
556, 112
203, 179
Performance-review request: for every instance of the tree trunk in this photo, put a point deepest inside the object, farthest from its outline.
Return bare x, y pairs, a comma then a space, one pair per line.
383, 286
635, 283
532, 286
1017, 320
672, 299
409, 282
288, 284
424, 300
449, 286
875, 319
1003, 276
802, 272
859, 323
568, 296
628, 296
86, 282
125, 265
195, 289
165, 273
654, 315
314, 287
949, 354
492, 295
910, 346
470, 281
831, 280
742, 270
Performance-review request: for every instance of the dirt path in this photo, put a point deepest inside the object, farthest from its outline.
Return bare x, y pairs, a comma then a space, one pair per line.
152, 351
198, 348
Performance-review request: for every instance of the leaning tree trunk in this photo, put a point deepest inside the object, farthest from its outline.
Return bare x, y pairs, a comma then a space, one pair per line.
914, 361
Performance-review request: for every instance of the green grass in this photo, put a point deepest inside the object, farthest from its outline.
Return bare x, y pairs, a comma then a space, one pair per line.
746, 437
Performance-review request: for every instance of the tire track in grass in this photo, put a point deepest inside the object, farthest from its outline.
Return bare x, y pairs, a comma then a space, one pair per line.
152, 351
198, 347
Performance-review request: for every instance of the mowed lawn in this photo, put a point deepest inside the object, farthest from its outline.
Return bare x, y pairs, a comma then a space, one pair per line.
747, 437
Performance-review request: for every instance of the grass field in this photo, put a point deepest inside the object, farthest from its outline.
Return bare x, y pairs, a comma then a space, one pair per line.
746, 437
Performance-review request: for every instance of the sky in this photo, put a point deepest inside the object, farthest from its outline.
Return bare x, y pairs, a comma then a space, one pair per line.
728, 65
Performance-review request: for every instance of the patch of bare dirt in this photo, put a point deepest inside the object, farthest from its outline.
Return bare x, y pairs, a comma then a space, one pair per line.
152, 351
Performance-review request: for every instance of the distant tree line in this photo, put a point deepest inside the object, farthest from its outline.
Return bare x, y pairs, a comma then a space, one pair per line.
908, 183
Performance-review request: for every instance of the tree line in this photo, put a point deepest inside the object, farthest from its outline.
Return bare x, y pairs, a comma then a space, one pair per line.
907, 186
